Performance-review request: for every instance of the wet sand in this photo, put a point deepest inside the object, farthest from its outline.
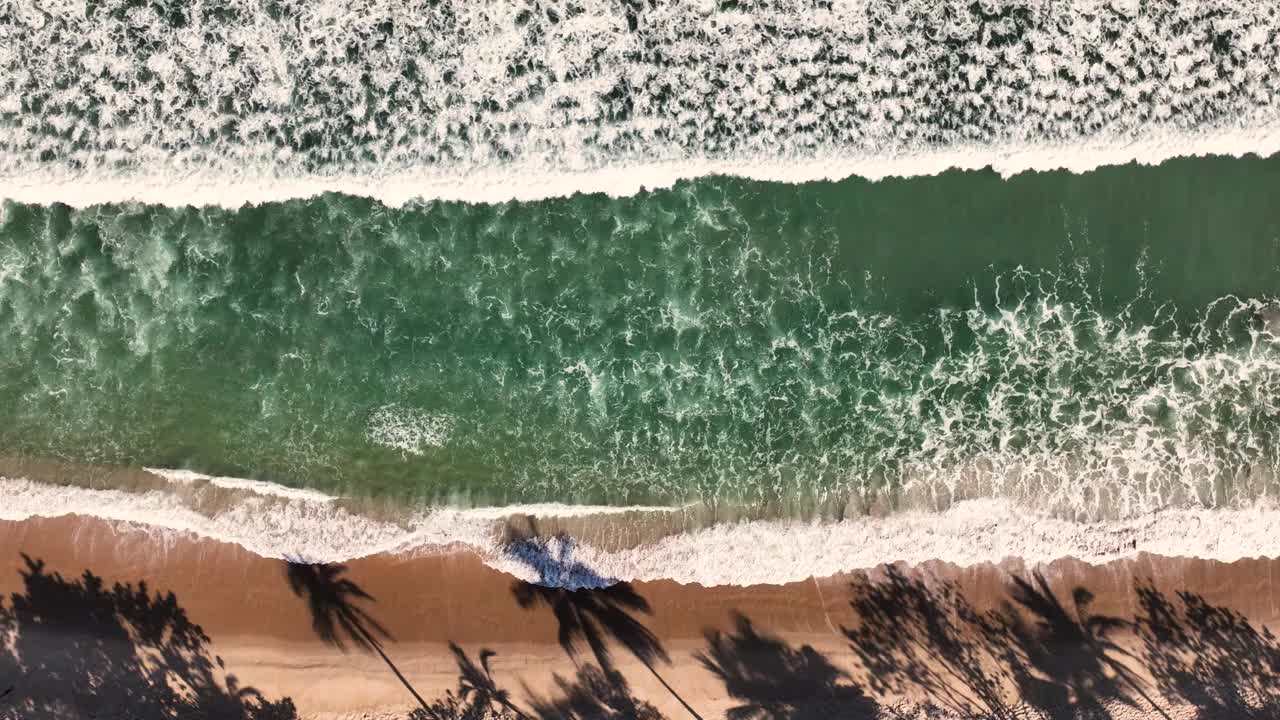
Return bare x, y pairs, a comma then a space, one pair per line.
1142, 637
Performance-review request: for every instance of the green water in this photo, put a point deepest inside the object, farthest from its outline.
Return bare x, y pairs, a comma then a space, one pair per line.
724, 338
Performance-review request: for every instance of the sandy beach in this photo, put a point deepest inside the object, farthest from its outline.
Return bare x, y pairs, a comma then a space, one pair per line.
1143, 637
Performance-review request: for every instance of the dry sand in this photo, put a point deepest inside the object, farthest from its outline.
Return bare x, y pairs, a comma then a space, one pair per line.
1118, 636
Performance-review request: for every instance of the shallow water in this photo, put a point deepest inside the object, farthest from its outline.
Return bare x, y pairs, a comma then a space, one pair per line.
1088, 342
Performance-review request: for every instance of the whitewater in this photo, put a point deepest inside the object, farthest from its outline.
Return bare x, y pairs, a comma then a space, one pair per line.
276, 522
228, 102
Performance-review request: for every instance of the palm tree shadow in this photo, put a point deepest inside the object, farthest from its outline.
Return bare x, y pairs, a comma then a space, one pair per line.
1061, 658
80, 648
594, 617
598, 613
1066, 662
780, 682
336, 615
1208, 655
593, 694
333, 601
478, 696
912, 635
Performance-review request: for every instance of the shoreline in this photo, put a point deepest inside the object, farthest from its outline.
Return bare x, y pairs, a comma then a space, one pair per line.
189, 181
571, 548
871, 625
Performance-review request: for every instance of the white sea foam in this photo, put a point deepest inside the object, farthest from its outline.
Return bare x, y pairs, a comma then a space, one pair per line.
270, 489
177, 186
562, 510
498, 512
727, 554
260, 487
972, 532
408, 430
249, 101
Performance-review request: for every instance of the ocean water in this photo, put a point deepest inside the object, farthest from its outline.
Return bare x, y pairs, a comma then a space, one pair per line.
959, 279
1091, 343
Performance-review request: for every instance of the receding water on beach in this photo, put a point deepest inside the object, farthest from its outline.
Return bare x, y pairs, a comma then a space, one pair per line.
1094, 343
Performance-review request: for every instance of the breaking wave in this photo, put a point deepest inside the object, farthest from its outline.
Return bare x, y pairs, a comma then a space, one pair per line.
280, 525
234, 101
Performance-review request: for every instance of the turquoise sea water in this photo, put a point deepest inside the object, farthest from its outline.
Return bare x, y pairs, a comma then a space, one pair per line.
1094, 336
